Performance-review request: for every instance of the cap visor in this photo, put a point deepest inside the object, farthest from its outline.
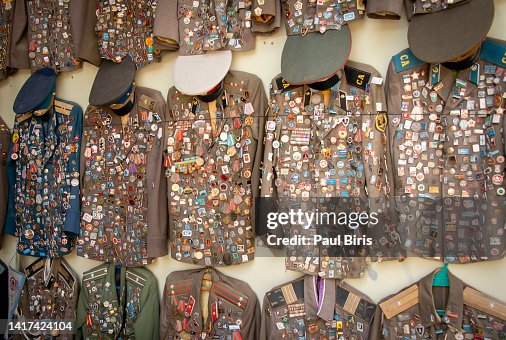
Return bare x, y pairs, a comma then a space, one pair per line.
445, 35
199, 74
315, 57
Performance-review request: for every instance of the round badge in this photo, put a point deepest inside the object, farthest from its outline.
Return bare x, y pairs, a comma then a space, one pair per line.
285, 139
29, 234
501, 191
297, 156
199, 161
451, 191
420, 177
275, 144
323, 163
74, 182
416, 127
500, 159
497, 179
198, 255
149, 41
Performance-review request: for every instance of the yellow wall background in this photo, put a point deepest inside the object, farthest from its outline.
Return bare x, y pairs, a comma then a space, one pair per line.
374, 42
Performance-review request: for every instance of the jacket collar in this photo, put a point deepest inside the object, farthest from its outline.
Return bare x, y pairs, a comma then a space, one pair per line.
454, 306
319, 302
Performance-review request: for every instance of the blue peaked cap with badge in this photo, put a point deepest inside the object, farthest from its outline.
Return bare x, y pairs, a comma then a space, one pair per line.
36, 92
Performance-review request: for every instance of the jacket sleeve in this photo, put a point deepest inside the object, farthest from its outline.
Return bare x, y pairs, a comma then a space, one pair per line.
157, 187
73, 216
19, 37
166, 26
260, 106
83, 18
267, 329
378, 175
147, 325
266, 16
250, 329
81, 312
10, 219
384, 9
164, 314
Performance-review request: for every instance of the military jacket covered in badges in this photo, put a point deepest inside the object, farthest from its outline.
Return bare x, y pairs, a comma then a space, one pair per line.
456, 312
6, 18
316, 308
50, 292
48, 28
5, 140
233, 308
206, 25
306, 16
328, 143
43, 170
213, 151
448, 151
124, 204
125, 27
118, 303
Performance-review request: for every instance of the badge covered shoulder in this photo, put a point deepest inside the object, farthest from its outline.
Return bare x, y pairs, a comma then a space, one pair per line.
405, 60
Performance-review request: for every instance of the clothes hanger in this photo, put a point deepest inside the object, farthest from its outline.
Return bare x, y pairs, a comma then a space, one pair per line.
441, 280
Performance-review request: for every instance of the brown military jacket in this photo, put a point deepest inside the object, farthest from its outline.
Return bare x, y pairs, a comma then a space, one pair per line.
214, 149
124, 204
132, 35
51, 35
233, 308
206, 25
315, 308
327, 144
5, 141
465, 313
54, 298
448, 154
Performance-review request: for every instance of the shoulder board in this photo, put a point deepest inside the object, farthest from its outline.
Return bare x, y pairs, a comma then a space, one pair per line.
135, 277
286, 294
35, 267
232, 296
62, 107
354, 304
147, 103
493, 52
405, 60
95, 274
400, 302
179, 287
484, 303
283, 85
23, 117
356, 77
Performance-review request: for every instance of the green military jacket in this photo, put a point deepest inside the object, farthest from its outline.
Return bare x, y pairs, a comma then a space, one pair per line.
129, 310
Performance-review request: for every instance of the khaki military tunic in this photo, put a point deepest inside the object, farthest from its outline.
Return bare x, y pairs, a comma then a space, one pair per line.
43, 169
125, 27
327, 144
233, 308
5, 140
448, 153
207, 25
44, 30
50, 293
6, 18
465, 313
118, 303
315, 308
214, 150
124, 206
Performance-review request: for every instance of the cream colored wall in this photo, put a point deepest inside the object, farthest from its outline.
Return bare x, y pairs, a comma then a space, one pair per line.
374, 42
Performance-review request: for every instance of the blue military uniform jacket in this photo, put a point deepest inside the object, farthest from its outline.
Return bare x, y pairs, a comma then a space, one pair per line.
43, 171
